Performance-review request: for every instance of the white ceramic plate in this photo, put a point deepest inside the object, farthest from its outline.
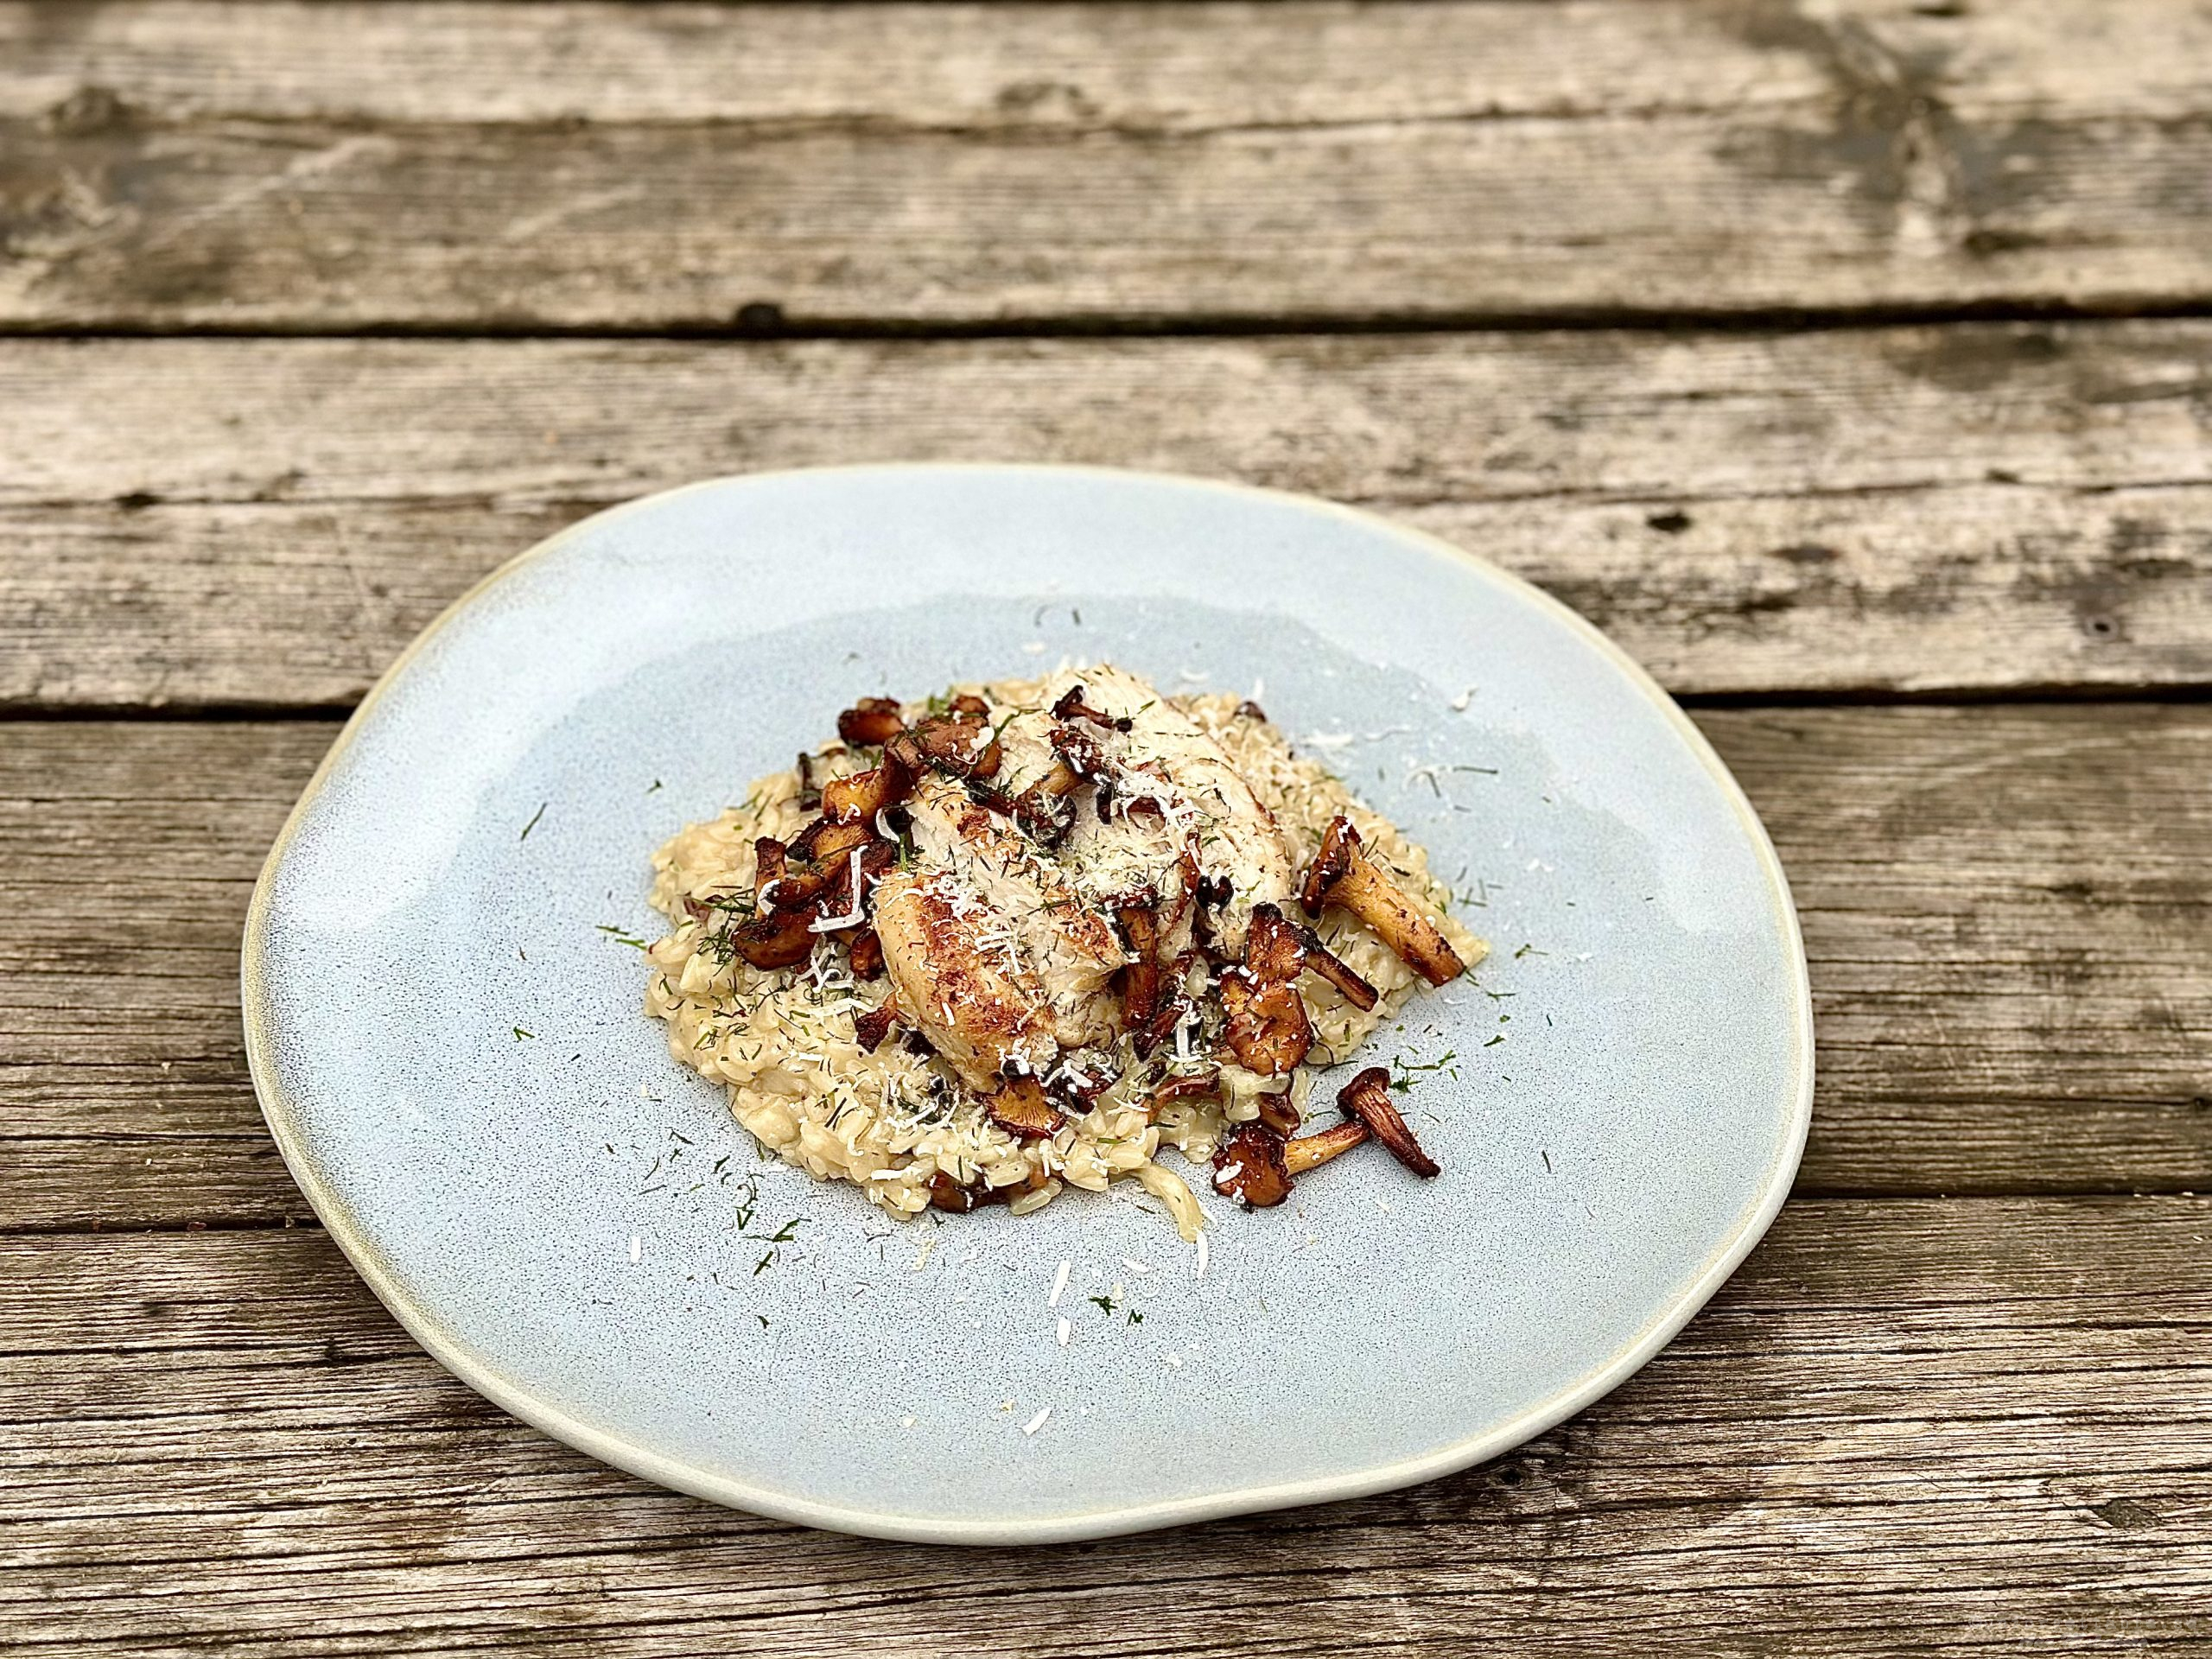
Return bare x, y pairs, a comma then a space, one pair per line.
557, 1216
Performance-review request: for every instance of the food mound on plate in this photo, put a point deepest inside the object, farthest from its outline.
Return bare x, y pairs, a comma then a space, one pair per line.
1021, 937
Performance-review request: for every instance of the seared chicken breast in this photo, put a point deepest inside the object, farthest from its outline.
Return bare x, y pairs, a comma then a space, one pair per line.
960, 979
1071, 950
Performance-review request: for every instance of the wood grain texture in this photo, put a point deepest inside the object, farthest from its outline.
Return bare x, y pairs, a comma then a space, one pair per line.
2004, 911
1973, 1427
265, 523
662, 167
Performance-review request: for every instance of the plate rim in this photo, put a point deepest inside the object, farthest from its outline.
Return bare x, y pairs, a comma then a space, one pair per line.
452, 1351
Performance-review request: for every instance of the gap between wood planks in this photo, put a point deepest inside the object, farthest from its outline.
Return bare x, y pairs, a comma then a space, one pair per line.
765, 320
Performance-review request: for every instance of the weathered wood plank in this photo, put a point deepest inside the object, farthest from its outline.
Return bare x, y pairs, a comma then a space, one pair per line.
1012, 164
2005, 910
1962, 1428
1133, 66
267, 523
990, 67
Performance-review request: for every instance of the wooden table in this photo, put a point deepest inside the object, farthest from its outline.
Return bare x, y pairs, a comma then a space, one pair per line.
1851, 364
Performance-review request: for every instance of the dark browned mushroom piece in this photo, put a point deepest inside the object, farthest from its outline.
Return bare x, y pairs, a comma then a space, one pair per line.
1343, 875
1141, 976
814, 865
1174, 1010
1019, 1106
871, 722
1317, 957
1188, 1085
874, 1026
1072, 706
1312, 1151
945, 1193
768, 858
1249, 1167
865, 951
1350, 986
1043, 809
776, 938
858, 798
1279, 1114
1267, 1029
1367, 1097
961, 745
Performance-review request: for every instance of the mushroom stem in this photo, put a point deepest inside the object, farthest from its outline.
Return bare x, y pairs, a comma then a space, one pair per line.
1367, 1097
1312, 1151
1342, 874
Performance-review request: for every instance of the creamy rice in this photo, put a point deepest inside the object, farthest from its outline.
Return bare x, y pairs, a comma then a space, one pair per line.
783, 1040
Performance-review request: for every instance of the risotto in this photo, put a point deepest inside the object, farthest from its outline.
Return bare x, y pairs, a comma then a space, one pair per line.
1025, 936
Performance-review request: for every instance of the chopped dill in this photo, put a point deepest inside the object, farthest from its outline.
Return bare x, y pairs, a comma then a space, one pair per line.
1408, 1070
655, 788
763, 1318
761, 1266
622, 938
1105, 1305
1135, 1318
520, 1033
534, 817
1495, 1040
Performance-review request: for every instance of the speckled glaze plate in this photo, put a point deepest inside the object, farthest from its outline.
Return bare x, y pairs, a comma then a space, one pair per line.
447, 1035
